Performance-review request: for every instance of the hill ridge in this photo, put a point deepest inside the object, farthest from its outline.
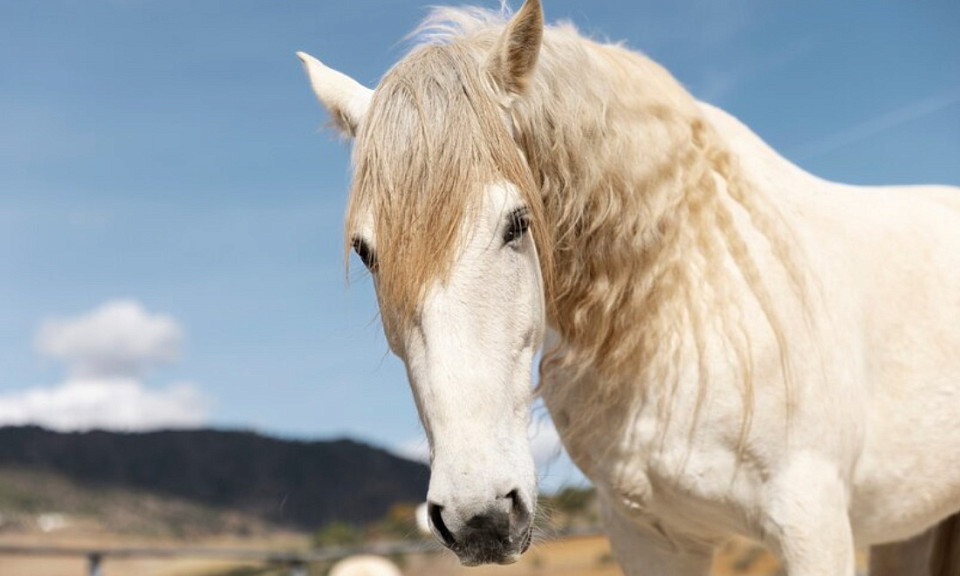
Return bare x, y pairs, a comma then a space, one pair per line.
302, 484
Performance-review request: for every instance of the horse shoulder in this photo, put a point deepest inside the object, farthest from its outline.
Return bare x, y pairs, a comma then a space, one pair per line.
885, 262
909, 270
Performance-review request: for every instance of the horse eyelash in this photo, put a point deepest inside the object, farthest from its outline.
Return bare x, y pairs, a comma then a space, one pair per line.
366, 254
518, 222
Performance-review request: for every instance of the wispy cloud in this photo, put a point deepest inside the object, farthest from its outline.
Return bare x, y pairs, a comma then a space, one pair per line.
718, 82
877, 125
107, 353
698, 23
416, 449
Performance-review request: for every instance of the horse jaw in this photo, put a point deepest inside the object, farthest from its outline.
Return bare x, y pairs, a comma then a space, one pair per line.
469, 357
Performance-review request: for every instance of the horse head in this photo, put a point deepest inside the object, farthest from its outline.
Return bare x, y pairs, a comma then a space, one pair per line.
444, 213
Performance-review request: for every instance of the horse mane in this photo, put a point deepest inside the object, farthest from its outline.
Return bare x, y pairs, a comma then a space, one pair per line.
630, 190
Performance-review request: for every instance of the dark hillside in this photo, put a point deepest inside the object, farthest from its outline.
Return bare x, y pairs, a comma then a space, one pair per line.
293, 483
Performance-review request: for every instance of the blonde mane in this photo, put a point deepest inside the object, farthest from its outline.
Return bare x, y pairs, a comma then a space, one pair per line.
620, 170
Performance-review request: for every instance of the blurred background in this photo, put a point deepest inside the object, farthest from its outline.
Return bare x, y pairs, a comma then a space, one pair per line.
171, 248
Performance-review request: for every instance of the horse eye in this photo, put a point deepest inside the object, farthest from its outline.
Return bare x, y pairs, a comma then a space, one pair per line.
519, 222
366, 254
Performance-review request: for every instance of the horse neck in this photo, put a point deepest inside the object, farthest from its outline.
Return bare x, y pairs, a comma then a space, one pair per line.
628, 171
639, 189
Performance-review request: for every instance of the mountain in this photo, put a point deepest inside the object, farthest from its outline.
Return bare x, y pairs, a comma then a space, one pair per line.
298, 484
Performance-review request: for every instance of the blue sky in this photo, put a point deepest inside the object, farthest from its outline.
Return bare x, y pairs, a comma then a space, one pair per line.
167, 156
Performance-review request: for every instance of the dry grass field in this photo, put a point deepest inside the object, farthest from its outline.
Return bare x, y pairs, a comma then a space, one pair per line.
581, 556
590, 556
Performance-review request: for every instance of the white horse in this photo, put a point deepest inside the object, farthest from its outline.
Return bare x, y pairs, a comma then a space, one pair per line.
733, 346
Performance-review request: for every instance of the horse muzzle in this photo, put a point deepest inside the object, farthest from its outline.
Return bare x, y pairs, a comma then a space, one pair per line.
499, 534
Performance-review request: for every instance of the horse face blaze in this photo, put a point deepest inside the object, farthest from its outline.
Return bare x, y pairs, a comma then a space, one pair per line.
469, 358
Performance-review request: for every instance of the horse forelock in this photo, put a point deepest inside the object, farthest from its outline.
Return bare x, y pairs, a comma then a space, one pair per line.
433, 139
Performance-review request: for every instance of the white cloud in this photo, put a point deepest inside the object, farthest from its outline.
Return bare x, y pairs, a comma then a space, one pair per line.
544, 444
119, 338
878, 124
107, 353
110, 403
554, 467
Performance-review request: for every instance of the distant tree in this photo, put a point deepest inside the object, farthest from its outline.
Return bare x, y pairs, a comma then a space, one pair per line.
401, 521
337, 534
572, 500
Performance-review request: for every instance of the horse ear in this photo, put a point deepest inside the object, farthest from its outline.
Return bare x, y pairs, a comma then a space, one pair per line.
344, 98
515, 55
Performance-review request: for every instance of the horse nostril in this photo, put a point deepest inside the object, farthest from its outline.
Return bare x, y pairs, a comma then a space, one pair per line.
436, 518
519, 515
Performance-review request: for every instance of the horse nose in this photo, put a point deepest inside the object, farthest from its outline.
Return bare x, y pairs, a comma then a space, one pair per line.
495, 534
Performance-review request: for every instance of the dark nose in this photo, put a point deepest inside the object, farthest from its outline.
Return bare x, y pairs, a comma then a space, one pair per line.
493, 535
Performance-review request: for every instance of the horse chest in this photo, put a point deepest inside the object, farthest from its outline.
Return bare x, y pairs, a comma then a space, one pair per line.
682, 489
677, 469
696, 491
